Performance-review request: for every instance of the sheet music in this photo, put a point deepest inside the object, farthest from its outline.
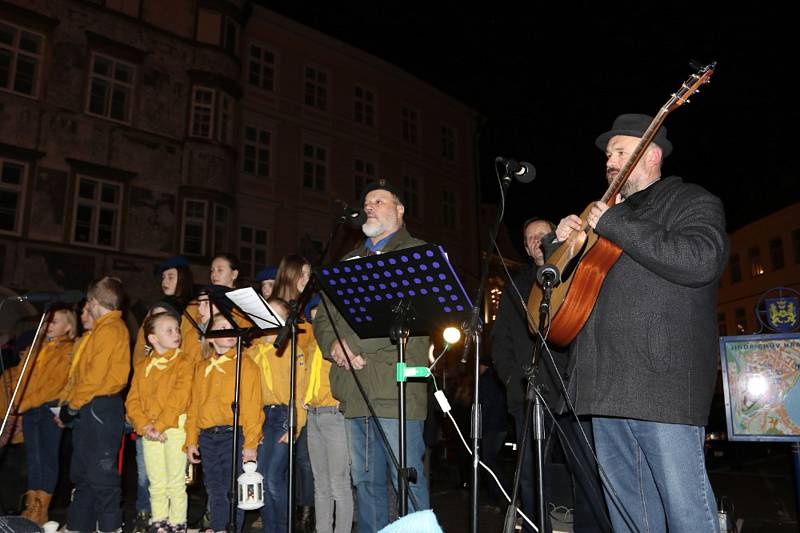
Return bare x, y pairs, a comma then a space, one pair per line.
254, 305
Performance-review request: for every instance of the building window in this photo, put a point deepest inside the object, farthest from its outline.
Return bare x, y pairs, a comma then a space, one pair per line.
252, 250
448, 143
736, 269
12, 189
202, 120
411, 196
449, 213
216, 29
195, 213
316, 88
741, 321
20, 59
221, 218
756, 266
409, 120
97, 212
776, 253
315, 163
230, 36
796, 245
256, 155
363, 174
225, 119
721, 327
261, 67
363, 106
111, 88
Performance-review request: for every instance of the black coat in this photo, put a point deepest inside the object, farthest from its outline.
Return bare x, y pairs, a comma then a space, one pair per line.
512, 348
649, 349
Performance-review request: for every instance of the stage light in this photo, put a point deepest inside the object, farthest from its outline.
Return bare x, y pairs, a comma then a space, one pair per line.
451, 335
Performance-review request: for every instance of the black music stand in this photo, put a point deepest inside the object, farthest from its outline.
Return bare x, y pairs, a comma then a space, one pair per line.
413, 291
258, 311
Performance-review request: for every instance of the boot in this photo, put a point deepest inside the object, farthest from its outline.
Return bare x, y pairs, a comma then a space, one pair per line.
44, 499
32, 505
304, 519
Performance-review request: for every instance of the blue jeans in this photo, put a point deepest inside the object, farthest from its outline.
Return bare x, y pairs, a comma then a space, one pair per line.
142, 484
273, 464
42, 444
96, 439
658, 470
370, 462
215, 452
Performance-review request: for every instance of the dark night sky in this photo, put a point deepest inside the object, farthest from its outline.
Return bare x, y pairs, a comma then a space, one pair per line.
549, 80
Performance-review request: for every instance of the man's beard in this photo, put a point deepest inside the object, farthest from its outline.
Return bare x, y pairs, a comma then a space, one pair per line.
372, 228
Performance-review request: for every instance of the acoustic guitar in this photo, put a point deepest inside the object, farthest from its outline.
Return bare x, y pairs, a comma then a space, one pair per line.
584, 259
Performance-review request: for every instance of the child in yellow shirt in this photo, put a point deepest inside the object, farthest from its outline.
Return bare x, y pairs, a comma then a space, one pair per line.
46, 375
156, 406
209, 422
95, 406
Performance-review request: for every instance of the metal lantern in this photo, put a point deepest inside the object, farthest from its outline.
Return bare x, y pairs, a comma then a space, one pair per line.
251, 487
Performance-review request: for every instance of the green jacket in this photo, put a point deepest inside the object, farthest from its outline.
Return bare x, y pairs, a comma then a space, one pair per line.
378, 375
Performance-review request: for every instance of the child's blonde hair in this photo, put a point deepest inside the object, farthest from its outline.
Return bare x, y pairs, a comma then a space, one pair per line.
149, 327
207, 350
108, 292
70, 317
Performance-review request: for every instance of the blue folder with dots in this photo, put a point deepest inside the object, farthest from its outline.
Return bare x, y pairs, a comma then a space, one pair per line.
365, 290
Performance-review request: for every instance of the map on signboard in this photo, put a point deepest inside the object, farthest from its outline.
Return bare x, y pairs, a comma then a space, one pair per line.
761, 376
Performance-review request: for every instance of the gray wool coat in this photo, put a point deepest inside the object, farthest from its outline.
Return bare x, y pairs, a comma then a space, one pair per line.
649, 349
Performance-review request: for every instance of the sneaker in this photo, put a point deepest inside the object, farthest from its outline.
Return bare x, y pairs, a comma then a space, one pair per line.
141, 524
162, 526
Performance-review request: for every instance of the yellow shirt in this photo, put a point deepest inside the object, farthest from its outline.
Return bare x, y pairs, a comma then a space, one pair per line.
318, 392
47, 375
104, 363
160, 390
212, 395
274, 371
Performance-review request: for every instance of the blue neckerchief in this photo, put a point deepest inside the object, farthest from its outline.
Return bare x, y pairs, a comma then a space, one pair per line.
378, 246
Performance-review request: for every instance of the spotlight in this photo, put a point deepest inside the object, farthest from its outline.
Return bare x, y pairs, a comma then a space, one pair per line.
451, 335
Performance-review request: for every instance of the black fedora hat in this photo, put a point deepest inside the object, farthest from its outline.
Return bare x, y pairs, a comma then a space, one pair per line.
634, 125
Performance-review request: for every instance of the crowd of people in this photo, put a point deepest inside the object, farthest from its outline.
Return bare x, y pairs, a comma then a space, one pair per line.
628, 398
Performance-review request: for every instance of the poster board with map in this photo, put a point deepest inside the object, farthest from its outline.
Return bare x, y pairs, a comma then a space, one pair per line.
761, 378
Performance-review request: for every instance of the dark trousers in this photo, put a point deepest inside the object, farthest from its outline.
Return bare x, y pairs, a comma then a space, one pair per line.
96, 440
215, 452
42, 444
273, 464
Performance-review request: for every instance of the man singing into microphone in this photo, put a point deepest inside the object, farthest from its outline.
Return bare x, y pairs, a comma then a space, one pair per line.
373, 360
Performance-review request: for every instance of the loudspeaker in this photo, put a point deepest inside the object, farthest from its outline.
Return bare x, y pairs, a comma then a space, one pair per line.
18, 524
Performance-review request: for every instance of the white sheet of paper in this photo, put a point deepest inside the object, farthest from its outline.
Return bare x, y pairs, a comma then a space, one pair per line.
254, 305
56, 410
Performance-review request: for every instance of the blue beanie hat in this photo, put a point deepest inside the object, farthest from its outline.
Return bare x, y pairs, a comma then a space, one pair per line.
172, 262
266, 273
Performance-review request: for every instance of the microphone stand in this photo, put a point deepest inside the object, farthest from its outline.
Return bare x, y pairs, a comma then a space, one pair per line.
547, 276
473, 330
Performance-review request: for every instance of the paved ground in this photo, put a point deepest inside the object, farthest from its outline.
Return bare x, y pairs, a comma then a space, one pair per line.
757, 479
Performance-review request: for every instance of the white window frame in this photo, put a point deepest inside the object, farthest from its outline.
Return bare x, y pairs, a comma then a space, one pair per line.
112, 85
97, 204
195, 105
198, 221
18, 189
16, 53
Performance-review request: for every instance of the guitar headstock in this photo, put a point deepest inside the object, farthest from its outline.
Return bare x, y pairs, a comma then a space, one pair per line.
691, 86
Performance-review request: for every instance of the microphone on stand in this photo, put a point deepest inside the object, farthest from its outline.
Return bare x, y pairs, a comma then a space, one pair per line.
350, 216
523, 171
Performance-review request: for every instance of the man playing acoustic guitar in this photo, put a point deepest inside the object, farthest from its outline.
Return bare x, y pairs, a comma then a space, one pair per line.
644, 364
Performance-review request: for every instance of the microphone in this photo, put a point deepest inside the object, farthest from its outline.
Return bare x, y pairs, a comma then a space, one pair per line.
547, 273
67, 297
352, 217
524, 172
